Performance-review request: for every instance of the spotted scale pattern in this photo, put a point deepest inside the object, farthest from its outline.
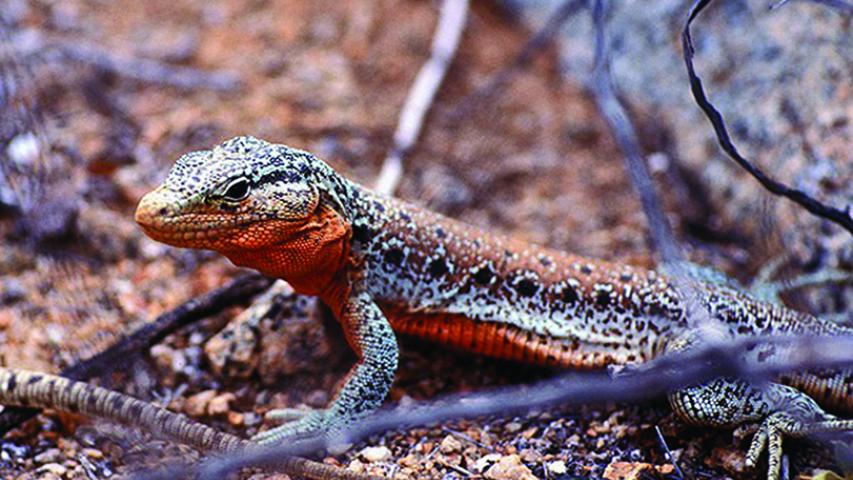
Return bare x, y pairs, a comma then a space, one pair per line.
422, 263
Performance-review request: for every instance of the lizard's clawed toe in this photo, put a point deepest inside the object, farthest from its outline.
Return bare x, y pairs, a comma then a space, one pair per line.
284, 415
769, 435
297, 424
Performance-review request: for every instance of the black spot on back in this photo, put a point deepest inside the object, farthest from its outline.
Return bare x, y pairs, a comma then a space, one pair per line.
568, 295
361, 233
484, 276
394, 256
602, 298
437, 267
526, 287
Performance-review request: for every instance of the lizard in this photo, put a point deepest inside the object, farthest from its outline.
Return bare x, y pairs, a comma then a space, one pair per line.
25, 388
386, 267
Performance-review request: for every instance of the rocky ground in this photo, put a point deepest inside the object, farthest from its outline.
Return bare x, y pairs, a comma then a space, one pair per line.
535, 160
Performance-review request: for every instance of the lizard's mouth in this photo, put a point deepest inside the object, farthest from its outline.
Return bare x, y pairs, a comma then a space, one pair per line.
160, 220
183, 229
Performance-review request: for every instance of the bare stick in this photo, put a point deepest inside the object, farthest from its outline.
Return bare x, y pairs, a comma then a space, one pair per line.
34, 389
668, 453
840, 5
801, 198
238, 290
451, 23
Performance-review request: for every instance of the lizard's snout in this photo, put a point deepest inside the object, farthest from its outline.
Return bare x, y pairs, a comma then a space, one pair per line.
153, 209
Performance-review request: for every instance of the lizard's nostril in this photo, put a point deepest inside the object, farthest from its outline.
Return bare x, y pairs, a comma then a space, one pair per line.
152, 209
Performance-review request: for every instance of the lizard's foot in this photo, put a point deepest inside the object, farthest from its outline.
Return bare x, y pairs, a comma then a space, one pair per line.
295, 423
779, 424
769, 435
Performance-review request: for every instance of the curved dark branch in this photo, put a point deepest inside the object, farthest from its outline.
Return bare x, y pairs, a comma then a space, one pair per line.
814, 206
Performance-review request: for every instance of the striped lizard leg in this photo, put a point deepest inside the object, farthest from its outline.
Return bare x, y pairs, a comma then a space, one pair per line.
365, 386
779, 411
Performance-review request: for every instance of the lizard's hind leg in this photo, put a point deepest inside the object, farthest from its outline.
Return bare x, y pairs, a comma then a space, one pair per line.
779, 410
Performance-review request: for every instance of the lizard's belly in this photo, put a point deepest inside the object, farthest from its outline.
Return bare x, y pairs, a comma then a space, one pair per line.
504, 340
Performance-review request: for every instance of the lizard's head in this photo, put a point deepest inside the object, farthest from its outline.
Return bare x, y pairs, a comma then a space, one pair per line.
247, 195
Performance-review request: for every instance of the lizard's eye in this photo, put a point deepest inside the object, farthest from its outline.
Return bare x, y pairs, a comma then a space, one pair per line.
237, 190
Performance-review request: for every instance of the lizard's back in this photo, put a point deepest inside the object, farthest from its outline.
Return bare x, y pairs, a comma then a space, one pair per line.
459, 285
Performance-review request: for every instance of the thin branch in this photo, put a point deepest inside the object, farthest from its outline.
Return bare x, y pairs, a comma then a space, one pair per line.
650, 380
451, 23
669, 457
626, 137
817, 208
238, 290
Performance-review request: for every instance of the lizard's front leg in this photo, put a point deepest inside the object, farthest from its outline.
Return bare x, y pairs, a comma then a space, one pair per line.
366, 384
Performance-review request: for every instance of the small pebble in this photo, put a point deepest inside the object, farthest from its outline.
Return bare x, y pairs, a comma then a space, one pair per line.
93, 453
628, 471
509, 468
220, 404
196, 405
450, 445
512, 427
236, 419
378, 453
51, 455
53, 468
557, 467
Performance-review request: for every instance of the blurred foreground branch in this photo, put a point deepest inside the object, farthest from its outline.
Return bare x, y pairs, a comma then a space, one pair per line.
669, 372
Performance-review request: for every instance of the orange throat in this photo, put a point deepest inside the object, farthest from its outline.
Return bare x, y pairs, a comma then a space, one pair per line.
309, 257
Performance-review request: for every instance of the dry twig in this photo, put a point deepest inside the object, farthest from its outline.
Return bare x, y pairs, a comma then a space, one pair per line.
626, 137
22, 387
451, 23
